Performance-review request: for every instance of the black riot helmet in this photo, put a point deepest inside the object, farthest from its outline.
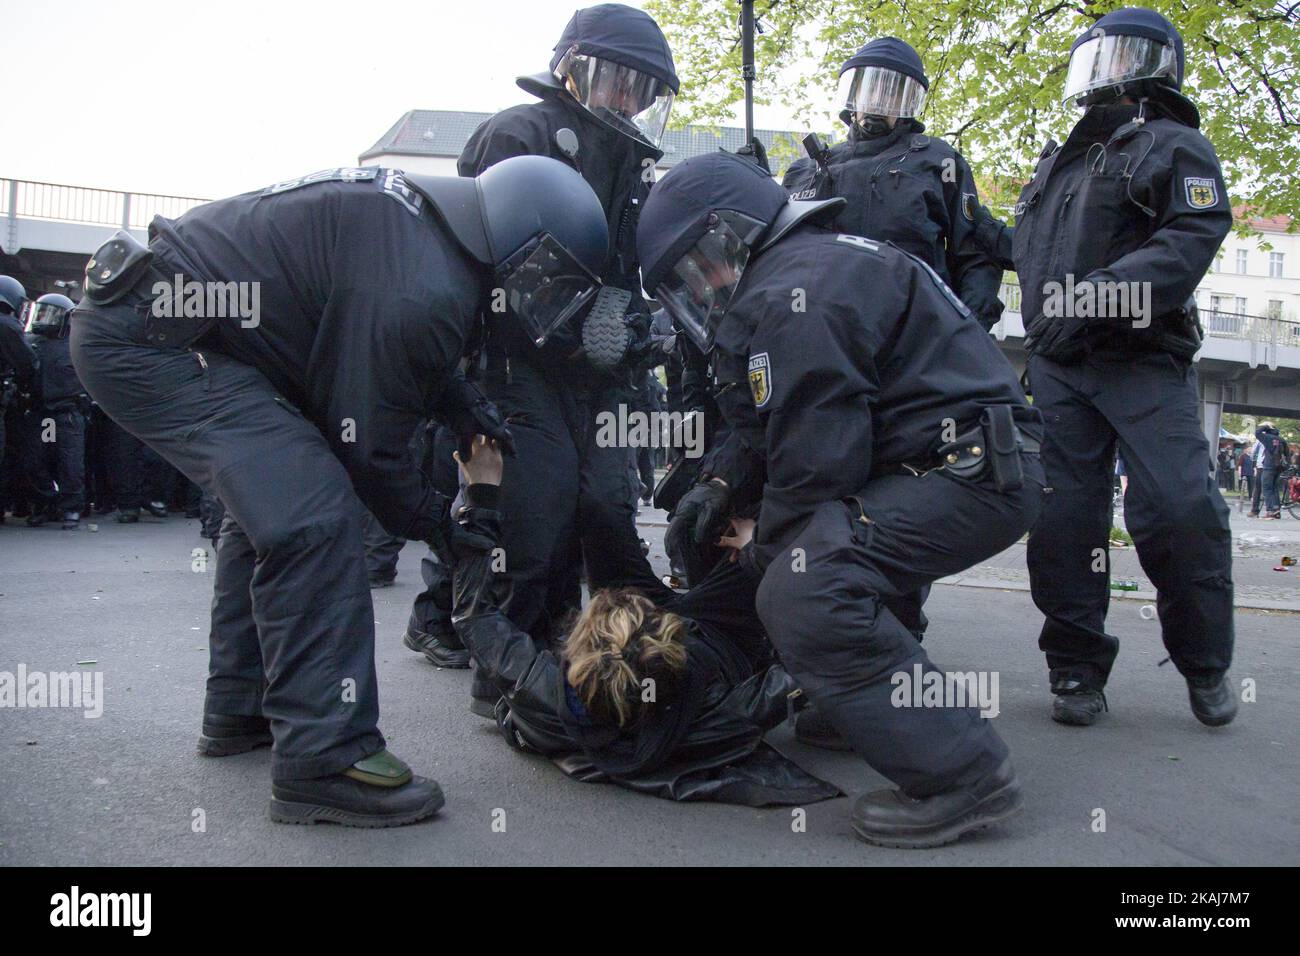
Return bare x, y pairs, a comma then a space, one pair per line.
701, 225
12, 296
883, 81
49, 315
540, 227
1132, 51
615, 61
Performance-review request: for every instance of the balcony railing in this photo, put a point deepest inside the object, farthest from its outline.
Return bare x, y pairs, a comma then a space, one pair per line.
20, 198
1250, 328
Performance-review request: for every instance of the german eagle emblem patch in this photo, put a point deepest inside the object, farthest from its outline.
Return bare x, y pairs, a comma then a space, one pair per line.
1202, 193
760, 378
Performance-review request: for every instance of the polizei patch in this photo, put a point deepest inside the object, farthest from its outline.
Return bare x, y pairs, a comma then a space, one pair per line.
760, 378
1202, 193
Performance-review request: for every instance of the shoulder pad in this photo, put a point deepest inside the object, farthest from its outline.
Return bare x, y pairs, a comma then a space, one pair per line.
861, 243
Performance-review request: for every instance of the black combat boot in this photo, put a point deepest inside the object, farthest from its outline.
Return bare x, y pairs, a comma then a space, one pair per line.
1213, 700
442, 649
128, 515
892, 818
227, 734
1076, 703
378, 791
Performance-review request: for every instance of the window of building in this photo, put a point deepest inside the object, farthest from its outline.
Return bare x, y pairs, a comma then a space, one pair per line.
1241, 261
1275, 265
1274, 310
1241, 306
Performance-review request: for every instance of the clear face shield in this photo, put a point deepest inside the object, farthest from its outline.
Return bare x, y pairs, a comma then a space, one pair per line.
1106, 61
698, 289
631, 101
546, 286
46, 318
876, 91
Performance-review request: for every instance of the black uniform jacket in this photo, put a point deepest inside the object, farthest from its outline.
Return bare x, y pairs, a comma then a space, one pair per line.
856, 383
365, 301
915, 191
1122, 202
706, 744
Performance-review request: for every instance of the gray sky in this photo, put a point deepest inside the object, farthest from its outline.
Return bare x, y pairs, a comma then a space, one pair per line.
210, 99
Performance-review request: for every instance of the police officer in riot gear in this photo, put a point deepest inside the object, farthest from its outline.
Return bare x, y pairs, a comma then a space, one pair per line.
603, 106
897, 448
54, 436
1112, 235
368, 283
17, 367
901, 184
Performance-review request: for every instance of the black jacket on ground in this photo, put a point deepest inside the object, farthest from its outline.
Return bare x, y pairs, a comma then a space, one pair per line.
1122, 201
366, 302
706, 744
915, 191
856, 384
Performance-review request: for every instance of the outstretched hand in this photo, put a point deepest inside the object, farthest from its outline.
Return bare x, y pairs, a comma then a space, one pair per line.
741, 533
485, 463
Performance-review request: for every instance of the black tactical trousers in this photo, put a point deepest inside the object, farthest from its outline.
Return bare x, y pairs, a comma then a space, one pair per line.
431, 611
567, 497
382, 549
55, 458
1147, 404
292, 621
825, 601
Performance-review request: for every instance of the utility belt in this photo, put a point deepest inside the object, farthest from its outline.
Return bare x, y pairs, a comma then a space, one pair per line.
991, 448
123, 271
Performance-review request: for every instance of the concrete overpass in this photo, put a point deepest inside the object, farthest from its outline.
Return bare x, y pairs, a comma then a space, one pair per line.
1248, 364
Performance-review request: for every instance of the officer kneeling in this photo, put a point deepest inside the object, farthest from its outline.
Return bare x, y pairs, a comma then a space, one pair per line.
279, 348
898, 447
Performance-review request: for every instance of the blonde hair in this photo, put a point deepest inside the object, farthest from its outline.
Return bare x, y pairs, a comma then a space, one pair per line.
620, 639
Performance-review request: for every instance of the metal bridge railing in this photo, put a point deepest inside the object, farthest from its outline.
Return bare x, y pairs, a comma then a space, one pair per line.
1250, 328
21, 198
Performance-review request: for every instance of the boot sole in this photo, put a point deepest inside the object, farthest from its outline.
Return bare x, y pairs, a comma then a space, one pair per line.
1209, 721
994, 808
459, 662
1072, 718
229, 746
285, 811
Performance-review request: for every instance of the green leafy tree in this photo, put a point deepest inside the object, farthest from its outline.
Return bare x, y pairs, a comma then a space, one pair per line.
996, 71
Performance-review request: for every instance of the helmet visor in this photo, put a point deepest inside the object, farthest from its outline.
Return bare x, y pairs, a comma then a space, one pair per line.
1110, 60
631, 101
876, 91
546, 286
46, 318
698, 289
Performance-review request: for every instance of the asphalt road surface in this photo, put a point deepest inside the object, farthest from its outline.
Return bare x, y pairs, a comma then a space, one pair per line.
1146, 785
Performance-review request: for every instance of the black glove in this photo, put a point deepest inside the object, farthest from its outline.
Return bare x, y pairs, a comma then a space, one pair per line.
468, 412
698, 519
757, 152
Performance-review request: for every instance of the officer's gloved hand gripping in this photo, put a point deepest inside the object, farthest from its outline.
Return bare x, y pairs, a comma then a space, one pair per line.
469, 413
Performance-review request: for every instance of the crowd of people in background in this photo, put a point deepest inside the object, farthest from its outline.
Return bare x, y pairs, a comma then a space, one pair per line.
1256, 470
